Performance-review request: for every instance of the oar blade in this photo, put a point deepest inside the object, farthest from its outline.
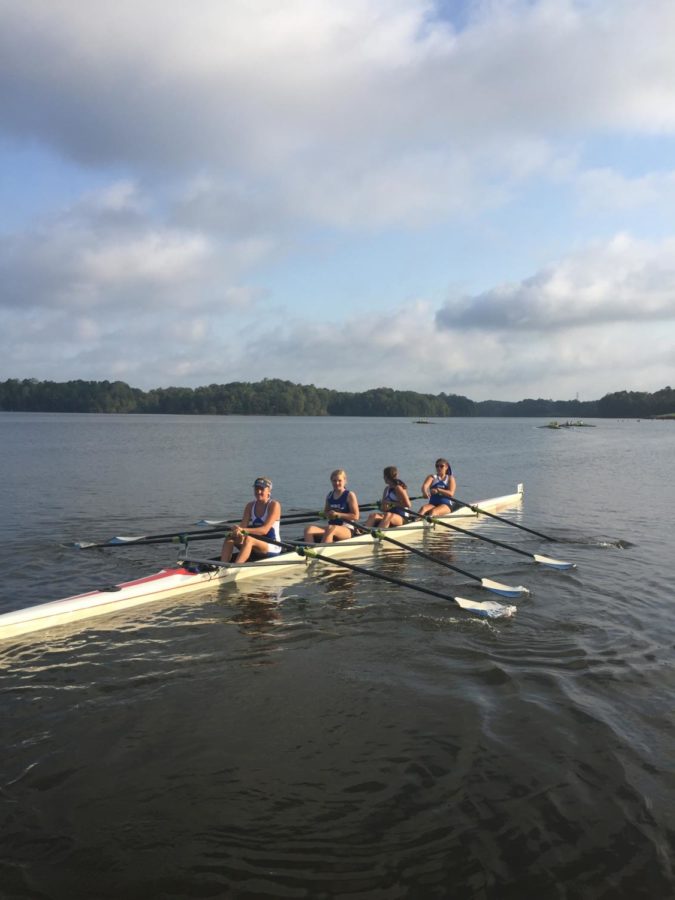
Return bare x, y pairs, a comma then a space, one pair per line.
126, 539
552, 563
487, 609
504, 590
116, 541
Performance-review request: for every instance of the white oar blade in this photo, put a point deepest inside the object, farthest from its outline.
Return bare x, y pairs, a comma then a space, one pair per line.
211, 522
504, 590
126, 539
487, 609
553, 563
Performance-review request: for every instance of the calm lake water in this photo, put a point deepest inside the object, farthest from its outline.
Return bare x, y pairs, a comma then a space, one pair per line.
334, 736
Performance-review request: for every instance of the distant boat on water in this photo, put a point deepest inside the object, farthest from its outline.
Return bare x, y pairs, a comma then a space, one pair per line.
422, 422
567, 424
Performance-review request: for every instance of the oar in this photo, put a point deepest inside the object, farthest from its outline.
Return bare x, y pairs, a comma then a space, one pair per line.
179, 537
215, 530
484, 512
485, 608
294, 518
368, 507
142, 541
496, 587
537, 557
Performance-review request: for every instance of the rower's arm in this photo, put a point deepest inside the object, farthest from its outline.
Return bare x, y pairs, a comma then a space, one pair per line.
354, 506
402, 495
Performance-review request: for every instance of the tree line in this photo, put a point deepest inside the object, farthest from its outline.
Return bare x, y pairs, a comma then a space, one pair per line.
275, 397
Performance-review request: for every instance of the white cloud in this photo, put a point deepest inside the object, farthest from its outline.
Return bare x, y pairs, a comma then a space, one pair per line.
109, 251
233, 135
403, 349
153, 257
624, 280
609, 189
358, 100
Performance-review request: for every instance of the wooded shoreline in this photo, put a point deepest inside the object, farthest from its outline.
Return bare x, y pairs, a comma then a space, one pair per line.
272, 396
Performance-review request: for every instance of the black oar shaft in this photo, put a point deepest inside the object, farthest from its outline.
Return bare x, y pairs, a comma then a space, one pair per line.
216, 530
480, 537
489, 609
173, 539
313, 554
310, 515
485, 512
378, 533
180, 537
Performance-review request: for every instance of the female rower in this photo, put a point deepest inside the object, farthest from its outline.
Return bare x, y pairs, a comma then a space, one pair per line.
439, 489
341, 509
395, 502
259, 521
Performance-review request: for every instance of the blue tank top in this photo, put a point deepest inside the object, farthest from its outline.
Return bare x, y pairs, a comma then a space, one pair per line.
339, 504
274, 533
392, 497
444, 483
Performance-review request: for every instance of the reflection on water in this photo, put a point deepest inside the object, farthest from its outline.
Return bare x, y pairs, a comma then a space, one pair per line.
328, 734
259, 613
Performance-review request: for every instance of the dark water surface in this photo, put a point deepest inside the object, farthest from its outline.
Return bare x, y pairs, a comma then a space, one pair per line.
334, 736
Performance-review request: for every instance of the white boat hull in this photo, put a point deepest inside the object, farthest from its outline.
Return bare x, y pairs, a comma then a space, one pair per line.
183, 578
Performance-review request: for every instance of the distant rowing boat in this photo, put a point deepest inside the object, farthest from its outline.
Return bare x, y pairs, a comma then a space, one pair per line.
568, 424
190, 576
422, 422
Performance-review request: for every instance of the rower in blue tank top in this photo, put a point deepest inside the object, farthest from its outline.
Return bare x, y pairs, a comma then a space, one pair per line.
259, 521
395, 502
439, 489
341, 509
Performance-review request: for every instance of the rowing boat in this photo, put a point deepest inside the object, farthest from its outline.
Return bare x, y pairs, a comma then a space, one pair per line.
189, 576
568, 424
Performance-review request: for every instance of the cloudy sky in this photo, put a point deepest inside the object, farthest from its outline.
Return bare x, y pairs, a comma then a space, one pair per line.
470, 196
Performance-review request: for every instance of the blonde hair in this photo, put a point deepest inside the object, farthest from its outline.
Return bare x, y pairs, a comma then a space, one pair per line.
337, 473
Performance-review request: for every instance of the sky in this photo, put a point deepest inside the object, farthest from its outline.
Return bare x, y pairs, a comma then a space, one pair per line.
475, 197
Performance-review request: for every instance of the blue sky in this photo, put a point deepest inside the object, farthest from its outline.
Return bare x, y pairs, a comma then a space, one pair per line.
469, 197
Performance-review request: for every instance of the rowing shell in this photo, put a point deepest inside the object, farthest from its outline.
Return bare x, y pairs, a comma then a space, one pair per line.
182, 578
